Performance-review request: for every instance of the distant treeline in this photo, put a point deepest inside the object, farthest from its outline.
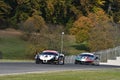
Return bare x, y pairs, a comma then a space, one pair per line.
60, 12
94, 23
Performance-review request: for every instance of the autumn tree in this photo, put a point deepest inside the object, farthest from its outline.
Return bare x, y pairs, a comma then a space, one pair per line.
96, 29
101, 36
35, 32
40, 35
81, 29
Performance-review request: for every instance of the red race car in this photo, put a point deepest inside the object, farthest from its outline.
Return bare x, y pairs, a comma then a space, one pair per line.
87, 58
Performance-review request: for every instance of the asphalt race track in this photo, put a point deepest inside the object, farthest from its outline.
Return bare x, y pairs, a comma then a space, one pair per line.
8, 68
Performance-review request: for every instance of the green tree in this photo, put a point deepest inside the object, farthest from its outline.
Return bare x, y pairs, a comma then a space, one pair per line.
87, 6
112, 7
23, 9
4, 9
4, 12
117, 11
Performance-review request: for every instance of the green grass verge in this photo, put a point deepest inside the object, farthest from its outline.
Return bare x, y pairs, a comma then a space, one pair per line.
15, 60
13, 47
68, 75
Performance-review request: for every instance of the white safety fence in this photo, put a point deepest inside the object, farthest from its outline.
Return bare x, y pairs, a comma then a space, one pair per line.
70, 59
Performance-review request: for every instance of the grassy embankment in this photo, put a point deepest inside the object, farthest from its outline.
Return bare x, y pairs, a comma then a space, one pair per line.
13, 48
68, 75
11, 45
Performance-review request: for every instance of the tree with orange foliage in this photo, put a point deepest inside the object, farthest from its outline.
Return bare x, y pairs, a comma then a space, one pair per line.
102, 35
81, 29
96, 29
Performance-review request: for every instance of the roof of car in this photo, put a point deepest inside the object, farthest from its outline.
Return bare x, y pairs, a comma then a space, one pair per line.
86, 53
51, 51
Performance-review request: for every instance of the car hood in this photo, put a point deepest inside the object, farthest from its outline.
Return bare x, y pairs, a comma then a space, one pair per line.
46, 57
84, 58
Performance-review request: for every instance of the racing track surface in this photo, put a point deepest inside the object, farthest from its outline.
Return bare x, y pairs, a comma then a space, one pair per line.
7, 68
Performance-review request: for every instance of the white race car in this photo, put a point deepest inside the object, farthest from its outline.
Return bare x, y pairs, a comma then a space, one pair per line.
49, 56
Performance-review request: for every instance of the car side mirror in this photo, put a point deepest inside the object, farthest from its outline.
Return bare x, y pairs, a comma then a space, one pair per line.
96, 58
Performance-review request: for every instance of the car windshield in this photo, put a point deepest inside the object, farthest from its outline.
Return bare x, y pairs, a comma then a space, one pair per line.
49, 53
86, 55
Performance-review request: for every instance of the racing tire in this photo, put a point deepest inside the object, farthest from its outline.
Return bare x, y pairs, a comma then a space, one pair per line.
37, 61
97, 64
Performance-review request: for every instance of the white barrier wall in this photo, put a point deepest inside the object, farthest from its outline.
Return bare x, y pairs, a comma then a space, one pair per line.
70, 59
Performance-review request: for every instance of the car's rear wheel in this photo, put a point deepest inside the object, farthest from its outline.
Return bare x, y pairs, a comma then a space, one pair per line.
96, 63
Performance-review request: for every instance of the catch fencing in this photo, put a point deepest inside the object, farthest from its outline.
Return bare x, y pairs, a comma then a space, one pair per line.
104, 55
110, 54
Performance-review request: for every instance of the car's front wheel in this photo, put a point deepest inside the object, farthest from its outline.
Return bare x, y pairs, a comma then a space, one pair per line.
76, 62
37, 61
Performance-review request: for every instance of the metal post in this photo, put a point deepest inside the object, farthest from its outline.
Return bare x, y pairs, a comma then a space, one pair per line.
62, 42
